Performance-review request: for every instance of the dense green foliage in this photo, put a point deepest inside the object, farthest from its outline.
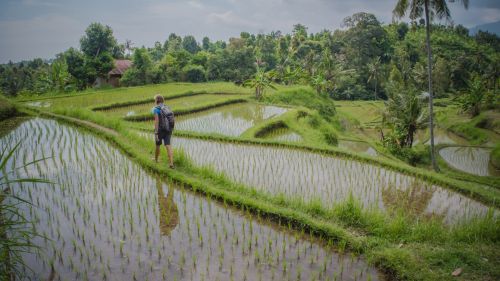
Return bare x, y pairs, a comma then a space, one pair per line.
355, 62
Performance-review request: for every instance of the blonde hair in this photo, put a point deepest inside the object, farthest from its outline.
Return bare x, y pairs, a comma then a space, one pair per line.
159, 99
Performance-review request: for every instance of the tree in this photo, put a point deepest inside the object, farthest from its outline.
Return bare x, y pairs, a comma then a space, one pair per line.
194, 73
471, 102
128, 47
206, 43
404, 114
97, 39
437, 8
59, 75
189, 44
98, 46
374, 72
260, 82
141, 71
76, 67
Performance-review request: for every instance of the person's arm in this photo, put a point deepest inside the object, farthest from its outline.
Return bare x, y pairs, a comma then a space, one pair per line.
157, 120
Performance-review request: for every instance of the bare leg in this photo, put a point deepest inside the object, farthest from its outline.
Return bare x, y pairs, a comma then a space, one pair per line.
170, 153
157, 153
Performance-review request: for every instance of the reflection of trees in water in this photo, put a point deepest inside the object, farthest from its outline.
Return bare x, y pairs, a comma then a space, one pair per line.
169, 215
413, 201
246, 112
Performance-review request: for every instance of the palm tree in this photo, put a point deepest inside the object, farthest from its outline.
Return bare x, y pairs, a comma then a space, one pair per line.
260, 82
405, 112
319, 83
438, 8
374, 73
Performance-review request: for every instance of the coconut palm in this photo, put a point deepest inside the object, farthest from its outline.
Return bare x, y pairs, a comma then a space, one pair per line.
374, 72
428, 8
405, 112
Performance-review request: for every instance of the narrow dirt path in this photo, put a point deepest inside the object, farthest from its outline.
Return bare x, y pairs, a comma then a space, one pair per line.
84, 123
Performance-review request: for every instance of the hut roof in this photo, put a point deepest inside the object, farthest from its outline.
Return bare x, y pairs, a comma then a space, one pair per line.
120, 67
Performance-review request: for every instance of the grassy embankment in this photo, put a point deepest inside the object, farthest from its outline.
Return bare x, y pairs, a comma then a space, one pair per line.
483, 129
7, 108
495, 156
316, 137
406, 247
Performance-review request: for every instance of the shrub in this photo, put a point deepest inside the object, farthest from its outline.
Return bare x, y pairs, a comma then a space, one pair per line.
194, 73
330, 137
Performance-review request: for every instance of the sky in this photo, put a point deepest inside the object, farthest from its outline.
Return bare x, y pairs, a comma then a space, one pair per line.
43, 28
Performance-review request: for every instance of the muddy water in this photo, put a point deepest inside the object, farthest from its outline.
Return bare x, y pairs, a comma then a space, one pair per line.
473, 160
107, 219
305, 175
283, 134
357, 146
231, 120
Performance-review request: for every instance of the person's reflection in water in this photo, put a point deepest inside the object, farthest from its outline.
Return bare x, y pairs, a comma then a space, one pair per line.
169, 215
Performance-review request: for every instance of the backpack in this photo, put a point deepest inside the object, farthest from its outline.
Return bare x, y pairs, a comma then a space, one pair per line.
166, 120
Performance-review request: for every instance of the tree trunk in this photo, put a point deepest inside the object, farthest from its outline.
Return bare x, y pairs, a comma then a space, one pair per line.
429, 73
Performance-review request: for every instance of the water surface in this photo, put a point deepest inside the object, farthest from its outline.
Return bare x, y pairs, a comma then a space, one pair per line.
310, 176
472, 160
108, 219
231, 120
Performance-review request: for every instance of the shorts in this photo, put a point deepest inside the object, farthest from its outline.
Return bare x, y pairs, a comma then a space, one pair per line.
165, 137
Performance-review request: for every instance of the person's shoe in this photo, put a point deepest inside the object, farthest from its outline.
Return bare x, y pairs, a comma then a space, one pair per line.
171, 166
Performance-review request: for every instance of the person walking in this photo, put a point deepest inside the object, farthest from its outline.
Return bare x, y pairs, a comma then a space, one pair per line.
164, 126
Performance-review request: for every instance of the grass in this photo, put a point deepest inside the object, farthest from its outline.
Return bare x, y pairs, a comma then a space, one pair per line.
140, 93
15, 230
482, 129
369, 232
366, 112
400, 244
7, 108
495, 156
188, 110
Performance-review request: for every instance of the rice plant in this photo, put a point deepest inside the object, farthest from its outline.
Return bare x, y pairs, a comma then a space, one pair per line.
473, 160
310, 177
15, 229
230, 120
108, 222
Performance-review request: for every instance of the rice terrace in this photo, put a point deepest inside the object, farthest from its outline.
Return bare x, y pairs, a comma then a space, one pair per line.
365, 150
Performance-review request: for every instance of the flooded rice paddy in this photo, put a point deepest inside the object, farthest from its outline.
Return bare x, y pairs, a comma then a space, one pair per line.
231, 120
441, 136
108, 219
311, 176
472, 160
175, 104
357, 147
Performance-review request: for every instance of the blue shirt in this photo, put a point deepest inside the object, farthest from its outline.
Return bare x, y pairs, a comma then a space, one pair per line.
156, 110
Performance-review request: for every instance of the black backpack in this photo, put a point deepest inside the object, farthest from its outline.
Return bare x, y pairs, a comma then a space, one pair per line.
166, 119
